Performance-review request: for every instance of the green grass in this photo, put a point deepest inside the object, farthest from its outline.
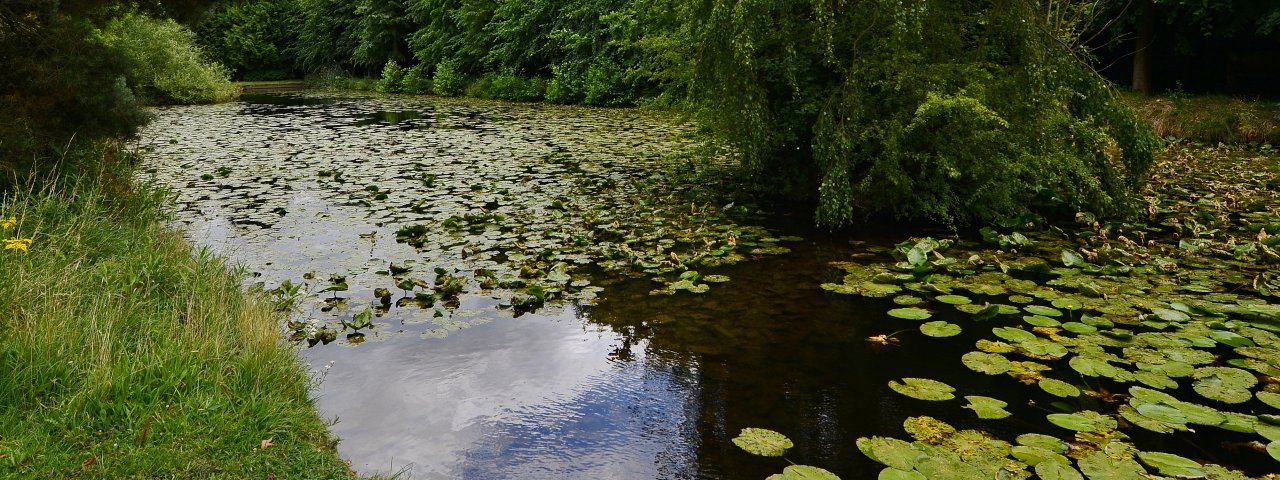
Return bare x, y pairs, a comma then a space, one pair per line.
1210, 118
126, 354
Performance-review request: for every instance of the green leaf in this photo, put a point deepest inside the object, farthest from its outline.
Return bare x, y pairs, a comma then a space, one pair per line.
1046, 442
806, 472
1072, 259
987, 408
1085, 421
1057, 471
923, 389
1068, 304
891, 473
988, 363
910, 313
1171, 315
954, 299
1170, 464
1042, 310
1224, 384
1015, 335
1100, 466
890, 451
940, 329
1059, 388
1273, 449
1035, 455
1271, 399
1163, 413
766, 443
907, 300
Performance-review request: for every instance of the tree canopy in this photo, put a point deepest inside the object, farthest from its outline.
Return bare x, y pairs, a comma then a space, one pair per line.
955, 111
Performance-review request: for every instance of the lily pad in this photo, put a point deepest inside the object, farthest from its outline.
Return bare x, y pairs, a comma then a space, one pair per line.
988, 363
766, 443
1042, 310
804, 472
1086, 421
1059, 388
890, 451
953, 299
1271, 399
1172, 465
987, 408
907, 300
1053, 444
923, 389
940, 329
910, 313
1224, 384
1057, 471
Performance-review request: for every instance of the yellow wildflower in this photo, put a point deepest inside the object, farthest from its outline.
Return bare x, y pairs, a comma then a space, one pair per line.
17, 244
8, 223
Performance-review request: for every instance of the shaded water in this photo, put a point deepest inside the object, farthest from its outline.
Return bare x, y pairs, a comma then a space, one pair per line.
615, 383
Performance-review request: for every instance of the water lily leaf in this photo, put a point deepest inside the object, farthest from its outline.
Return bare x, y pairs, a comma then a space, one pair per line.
988, 363
1059, 388
1199, 414
1057, 471
715, 278
1046, 442
1267, 430
1273, 449
953, 299
1042, 310
1100, 466
910, 313
1230, 338
923, 389
1015, 335
1163, 413
1085, 421
1271, 399
1151, 396
1169, 315
1079, 328
1224, 384
1035, 455
891, 473
1170, 464
890, 451
1043, 347
766, 443
805, 472
1072, 259
940, 329
1155, 379
1041, 321
1132, 415
987, 408
907, 300
1068, 304
942, 468
927, 429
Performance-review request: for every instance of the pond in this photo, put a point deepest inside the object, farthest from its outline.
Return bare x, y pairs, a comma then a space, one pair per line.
491, 290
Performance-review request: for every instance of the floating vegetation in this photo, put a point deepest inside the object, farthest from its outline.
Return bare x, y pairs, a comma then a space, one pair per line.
1179, 315
528, 206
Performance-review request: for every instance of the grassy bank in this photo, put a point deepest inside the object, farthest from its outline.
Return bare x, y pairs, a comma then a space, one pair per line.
1210, 118
126, 355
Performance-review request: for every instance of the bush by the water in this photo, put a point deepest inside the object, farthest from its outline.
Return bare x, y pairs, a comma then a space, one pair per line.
955, 111
167, 65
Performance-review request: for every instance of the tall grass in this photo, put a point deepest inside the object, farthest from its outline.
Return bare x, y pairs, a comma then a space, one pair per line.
1210, 118
126, 354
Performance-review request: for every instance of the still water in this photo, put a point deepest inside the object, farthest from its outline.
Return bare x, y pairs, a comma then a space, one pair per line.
613, 382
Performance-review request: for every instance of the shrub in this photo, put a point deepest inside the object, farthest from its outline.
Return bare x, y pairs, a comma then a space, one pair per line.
605, 86
167, 66
507, 85
448, 80
392, 78
416, 80
566, 85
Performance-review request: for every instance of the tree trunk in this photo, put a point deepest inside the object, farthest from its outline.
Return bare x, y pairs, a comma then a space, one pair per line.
1143, 46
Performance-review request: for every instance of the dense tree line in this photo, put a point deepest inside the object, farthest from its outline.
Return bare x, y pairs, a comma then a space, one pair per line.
955, 111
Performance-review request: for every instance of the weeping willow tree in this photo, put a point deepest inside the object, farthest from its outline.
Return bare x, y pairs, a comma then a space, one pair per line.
957, 111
